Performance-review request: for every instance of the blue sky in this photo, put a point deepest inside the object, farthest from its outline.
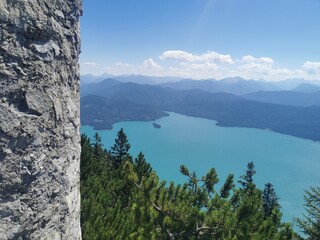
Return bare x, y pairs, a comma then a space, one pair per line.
253, 39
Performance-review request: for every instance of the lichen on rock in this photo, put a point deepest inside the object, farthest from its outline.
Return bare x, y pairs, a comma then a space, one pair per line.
39, 119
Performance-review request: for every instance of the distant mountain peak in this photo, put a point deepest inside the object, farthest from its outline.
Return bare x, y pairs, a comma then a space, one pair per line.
232, 79
306, 87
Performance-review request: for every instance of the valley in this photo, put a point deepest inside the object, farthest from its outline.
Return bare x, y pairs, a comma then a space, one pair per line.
294, 112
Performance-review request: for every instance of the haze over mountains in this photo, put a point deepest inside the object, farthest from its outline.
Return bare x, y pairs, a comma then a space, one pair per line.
88, 78
231, 102
288, 84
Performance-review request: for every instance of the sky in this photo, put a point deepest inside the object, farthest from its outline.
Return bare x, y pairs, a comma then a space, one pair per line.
253, 39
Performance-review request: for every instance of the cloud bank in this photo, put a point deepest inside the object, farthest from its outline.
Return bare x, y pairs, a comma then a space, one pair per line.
189, 57
209, 64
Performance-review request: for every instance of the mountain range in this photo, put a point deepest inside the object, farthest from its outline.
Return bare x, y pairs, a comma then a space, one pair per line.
231, 102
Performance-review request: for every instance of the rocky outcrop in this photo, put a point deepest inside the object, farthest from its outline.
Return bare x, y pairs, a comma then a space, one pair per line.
39, 119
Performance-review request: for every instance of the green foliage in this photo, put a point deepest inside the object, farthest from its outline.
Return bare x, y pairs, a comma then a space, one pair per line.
270, 200
120, 150
310, 224
246, 180
227, 187
124, 199
141, 167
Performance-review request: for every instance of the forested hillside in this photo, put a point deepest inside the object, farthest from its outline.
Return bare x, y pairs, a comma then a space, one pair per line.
111, 101
123, 198
101, 113
292, 98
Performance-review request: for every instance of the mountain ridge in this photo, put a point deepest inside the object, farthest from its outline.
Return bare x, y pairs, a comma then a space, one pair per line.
226, 108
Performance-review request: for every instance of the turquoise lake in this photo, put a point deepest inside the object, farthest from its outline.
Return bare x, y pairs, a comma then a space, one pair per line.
291, 164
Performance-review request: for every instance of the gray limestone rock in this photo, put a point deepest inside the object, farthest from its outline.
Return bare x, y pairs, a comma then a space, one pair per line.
39, 119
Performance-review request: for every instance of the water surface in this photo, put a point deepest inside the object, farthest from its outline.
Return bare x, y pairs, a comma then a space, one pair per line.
291, 164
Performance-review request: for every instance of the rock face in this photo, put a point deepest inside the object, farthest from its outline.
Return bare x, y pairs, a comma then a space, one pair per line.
39, 119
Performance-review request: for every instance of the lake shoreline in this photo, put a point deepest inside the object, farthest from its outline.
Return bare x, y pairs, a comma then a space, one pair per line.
215, 122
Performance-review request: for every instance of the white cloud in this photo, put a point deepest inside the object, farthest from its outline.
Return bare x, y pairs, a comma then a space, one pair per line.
250, 67
266, 72
260, 60
199, 70
208, 65
150, 64
256, 67
91, 64
120, 68
189, 57
124, 65
204, 66
266, 60
312, 67
91, 68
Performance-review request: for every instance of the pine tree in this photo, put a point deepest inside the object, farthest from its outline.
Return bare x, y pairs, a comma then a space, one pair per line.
311, 222
248, 206
120, 150
98, 151
227, 187
94, 179
86, 157
247, 179
270, 200
141, 167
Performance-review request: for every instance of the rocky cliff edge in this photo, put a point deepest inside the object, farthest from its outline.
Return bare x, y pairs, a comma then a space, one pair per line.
39, 119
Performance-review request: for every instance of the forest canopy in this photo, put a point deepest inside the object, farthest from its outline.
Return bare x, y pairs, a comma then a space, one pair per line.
123, 198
